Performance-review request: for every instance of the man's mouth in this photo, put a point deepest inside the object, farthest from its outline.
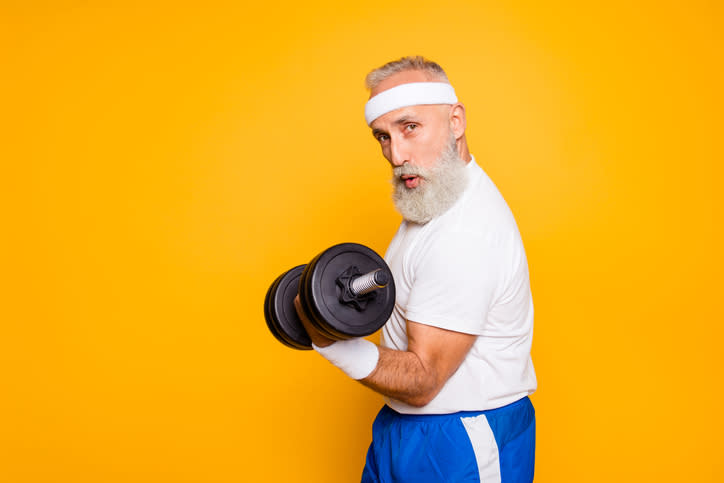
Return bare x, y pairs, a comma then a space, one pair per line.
411, 181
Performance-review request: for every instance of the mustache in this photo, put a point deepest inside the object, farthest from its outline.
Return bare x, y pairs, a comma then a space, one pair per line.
407, 169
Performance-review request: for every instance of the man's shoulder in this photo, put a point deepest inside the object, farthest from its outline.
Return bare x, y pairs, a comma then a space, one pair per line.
481, 212
480, 225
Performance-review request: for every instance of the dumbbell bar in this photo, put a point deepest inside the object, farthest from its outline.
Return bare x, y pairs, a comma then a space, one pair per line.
346, 291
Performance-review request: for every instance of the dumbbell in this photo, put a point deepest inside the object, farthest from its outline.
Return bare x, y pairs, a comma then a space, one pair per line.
345, 291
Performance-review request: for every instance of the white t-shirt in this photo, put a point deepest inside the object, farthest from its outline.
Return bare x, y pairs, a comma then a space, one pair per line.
466, 271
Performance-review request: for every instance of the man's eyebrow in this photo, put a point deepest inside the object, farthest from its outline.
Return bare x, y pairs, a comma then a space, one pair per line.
401, 120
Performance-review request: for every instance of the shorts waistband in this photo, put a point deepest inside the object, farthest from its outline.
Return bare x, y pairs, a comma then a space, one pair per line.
525, 401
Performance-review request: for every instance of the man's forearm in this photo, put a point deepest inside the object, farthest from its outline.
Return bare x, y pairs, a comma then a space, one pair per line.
414, 376
402, 375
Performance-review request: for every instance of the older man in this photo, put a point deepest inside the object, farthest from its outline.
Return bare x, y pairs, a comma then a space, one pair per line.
454, 361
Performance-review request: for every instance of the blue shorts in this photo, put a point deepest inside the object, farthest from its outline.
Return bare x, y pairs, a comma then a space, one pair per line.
482, 446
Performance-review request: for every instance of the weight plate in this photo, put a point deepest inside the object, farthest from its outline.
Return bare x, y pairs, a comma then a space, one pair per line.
269, 316
322, 291
309, 307
280, 314
270, 322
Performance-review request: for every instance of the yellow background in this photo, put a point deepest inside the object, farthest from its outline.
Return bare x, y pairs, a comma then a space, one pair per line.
163, 162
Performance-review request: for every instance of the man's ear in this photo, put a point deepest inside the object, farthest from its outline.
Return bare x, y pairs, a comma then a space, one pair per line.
457, 120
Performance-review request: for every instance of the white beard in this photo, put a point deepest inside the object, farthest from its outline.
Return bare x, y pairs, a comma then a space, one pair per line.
440, 187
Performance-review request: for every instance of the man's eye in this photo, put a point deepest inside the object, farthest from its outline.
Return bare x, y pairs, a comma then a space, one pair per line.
411, 127
382, 137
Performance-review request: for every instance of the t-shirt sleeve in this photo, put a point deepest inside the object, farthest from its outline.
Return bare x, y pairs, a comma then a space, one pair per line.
455, 282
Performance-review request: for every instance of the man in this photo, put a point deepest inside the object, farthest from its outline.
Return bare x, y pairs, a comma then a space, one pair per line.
454, 360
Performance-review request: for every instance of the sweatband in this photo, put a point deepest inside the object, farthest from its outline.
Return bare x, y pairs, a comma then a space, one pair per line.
356, 357
412, 94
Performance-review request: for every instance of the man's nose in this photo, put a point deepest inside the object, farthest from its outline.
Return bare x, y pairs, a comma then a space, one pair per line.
398, 155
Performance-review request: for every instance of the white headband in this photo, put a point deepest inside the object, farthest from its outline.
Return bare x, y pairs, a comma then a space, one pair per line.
412, 94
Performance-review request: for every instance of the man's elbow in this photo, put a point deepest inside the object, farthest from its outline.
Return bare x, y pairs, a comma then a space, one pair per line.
418, 401
422, 398
426, 388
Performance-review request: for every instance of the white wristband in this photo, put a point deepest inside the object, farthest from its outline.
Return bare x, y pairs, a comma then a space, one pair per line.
356, 357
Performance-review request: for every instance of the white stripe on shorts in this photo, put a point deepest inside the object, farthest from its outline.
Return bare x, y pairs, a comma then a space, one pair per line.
485, 447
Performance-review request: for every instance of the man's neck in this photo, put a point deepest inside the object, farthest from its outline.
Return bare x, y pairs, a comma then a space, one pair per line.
463, 151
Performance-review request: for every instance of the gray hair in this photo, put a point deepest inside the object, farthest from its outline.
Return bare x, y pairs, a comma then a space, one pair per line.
417, 62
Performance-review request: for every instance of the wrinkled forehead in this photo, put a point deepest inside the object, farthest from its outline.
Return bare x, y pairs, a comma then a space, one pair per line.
410, 94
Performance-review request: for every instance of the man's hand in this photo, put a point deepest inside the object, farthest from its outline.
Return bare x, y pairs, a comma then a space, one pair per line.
317, 338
